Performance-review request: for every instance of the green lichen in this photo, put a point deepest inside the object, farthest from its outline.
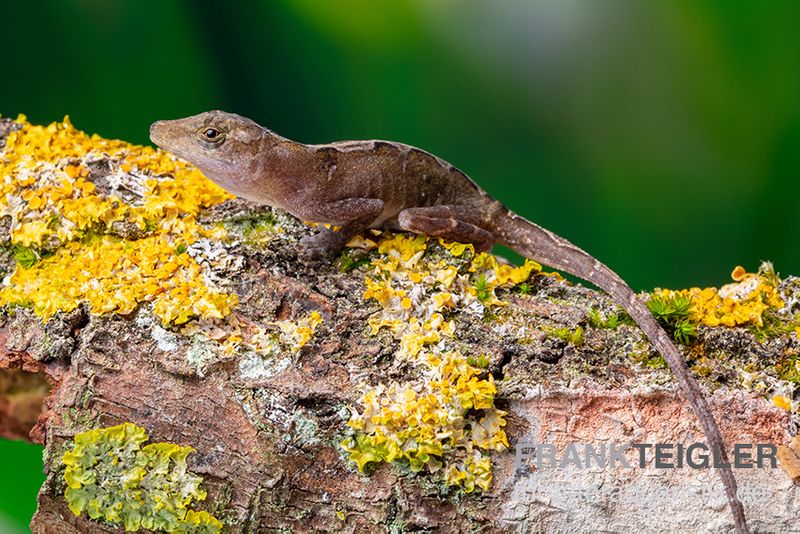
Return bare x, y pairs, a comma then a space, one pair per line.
255, 229
649, 359
111, 477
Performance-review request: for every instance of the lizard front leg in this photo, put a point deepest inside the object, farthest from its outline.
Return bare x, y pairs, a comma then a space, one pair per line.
454, 223
354, 215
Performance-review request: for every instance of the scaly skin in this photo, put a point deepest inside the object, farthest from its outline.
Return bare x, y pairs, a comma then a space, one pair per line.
381, 184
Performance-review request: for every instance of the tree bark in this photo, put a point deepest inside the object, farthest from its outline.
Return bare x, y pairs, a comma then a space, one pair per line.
267, 442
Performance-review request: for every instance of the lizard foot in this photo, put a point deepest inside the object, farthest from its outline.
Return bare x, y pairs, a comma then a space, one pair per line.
320, 247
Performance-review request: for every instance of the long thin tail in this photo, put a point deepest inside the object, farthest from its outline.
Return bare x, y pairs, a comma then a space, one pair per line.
532, 241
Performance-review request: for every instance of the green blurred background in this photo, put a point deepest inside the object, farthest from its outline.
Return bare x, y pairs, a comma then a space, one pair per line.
663, 137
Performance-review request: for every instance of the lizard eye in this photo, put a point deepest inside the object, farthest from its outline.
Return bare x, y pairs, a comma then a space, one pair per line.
211, 137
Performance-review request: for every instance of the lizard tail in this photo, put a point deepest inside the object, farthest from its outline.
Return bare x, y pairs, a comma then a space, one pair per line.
533, 241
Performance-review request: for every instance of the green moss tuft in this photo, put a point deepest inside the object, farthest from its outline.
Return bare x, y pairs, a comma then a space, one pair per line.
523, 288
26, 257
111, 477
774, 326
611, 322
481, 362
674, 311
571, 336
351, 259
482, 288
684, 332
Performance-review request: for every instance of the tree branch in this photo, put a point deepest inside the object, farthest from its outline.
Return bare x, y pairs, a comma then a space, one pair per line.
264, 392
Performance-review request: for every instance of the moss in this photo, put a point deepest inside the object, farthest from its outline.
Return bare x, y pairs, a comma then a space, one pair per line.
351, 259
788, 368
649, 359
742, 303
482, 361
25, 256
574, 336
673, 311
773, 325
111, 477
684, 332
150, 226
611, 321
523, 288
670, 308
482, 287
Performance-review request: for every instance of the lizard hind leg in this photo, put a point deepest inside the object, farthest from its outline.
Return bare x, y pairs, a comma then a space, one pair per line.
448, 222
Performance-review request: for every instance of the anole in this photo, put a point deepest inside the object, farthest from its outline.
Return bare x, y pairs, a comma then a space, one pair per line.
358, 185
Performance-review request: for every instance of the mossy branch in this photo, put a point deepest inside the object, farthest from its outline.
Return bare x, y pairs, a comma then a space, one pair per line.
387, 390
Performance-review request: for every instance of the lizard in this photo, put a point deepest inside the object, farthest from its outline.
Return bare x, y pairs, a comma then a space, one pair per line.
358, 185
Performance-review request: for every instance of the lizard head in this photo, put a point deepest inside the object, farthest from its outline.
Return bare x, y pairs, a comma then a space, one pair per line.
222, 145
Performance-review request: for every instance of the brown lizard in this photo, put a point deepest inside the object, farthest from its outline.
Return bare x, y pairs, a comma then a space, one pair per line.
380, 184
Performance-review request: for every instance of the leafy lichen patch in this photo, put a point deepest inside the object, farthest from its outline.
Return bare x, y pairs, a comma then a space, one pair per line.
112, 476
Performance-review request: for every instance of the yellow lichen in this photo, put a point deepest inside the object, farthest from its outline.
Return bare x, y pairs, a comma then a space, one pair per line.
297, 334
445, 420
235, 332
782, 401
738, 304
59, 215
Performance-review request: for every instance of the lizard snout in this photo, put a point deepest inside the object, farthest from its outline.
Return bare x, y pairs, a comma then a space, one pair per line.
154, 130
160, 134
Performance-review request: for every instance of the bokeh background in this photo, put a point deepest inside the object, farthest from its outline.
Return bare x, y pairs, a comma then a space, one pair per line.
663, 137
